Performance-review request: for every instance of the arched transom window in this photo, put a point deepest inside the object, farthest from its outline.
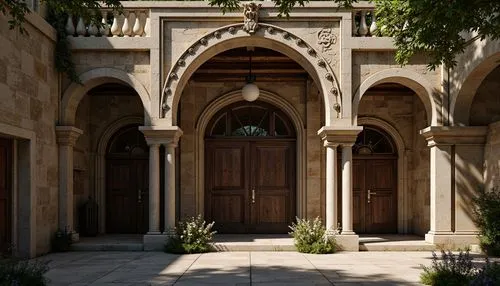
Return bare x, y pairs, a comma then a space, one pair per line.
256, 119
373, 141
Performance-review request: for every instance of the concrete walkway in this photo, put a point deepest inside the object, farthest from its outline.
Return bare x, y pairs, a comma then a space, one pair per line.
236, 268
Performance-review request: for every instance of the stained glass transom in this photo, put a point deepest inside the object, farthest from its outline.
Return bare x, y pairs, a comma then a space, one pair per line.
256, 119
373, 141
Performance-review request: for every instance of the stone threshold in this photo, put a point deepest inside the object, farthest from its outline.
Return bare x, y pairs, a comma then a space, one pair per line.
255, 242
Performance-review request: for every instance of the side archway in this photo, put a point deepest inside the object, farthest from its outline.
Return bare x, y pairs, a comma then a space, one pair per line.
233, 97
404, 212
95, 77
476, 72
100, 164
233, 36
410, 79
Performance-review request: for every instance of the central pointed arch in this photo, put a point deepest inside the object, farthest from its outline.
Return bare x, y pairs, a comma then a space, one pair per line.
269, 37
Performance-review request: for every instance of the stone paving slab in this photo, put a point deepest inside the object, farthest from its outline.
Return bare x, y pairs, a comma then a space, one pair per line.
235, 268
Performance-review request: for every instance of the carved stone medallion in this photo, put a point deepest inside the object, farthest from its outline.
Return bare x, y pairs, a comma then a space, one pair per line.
326, 39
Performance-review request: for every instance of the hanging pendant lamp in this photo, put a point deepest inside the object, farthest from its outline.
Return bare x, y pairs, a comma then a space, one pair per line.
250, 91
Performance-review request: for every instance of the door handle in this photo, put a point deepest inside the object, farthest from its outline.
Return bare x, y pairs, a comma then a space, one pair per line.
139, 196
370, 193
253, 196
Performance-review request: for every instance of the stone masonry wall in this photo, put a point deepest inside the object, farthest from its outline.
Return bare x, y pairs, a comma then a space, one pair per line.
29, 100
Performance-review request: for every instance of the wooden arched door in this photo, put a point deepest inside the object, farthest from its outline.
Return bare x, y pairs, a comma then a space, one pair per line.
250, 169
127, 182
374, 182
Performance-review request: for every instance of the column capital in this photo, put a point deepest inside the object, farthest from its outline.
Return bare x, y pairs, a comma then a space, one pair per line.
455, 135
161, 135
333, 136
67, 135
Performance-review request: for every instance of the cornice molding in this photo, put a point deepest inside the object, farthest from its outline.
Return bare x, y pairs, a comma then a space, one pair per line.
455, 135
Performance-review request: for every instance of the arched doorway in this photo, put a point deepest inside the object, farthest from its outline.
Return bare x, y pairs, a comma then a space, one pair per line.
127, 182
374, 182
250, 169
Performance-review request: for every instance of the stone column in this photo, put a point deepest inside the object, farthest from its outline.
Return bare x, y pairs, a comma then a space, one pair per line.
331, 187
347, 211
161, 133
66, 139
154, 188
332, 137
170, 188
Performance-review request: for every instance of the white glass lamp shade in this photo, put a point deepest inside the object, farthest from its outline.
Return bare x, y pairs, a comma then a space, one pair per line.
250, 92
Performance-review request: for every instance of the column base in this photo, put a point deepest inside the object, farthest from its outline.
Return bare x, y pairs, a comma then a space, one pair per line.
451, 241
154, 242
347, 242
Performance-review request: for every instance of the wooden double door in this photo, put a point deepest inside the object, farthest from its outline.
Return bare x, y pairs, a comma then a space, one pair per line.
127, 198
250, 185
374, 195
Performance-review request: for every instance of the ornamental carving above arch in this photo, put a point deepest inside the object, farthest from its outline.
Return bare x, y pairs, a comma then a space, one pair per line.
252, 28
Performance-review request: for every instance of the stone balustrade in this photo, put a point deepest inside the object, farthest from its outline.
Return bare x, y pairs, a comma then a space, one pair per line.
364, 23
129, 23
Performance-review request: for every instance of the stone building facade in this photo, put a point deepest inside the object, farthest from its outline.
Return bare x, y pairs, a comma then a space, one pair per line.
158, 129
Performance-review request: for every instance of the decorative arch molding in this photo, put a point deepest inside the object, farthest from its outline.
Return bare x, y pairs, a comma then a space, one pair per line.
100, 163
420, 85
233, 97
234, 36
475, 72
404, 211
95, 77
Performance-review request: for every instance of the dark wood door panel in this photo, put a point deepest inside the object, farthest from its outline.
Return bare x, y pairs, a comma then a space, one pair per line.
250, 185
228, 167
127, 196
227, 185
272, 180
378, 213
5, 194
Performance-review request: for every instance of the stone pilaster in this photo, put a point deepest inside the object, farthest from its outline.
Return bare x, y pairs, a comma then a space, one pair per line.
454, 182
66, 139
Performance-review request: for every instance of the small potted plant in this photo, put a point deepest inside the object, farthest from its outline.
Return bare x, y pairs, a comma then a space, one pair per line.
62, 240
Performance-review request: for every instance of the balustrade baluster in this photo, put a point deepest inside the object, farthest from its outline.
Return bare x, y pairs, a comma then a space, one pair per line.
363, 28
70, 27
81, 30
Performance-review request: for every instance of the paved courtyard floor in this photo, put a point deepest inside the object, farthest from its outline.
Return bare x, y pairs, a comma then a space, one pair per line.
236, 268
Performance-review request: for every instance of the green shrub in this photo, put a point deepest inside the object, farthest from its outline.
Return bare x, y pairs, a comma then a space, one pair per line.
310, 237
486, 214
488, 275
450, 270
22, 272
192, 236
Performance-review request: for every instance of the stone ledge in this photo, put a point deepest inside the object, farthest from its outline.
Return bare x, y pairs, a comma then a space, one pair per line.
454, 135
347, 242
154, 242
451, 241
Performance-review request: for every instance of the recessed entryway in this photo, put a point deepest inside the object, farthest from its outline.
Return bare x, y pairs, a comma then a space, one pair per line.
250, 169
374, 182
127, 197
